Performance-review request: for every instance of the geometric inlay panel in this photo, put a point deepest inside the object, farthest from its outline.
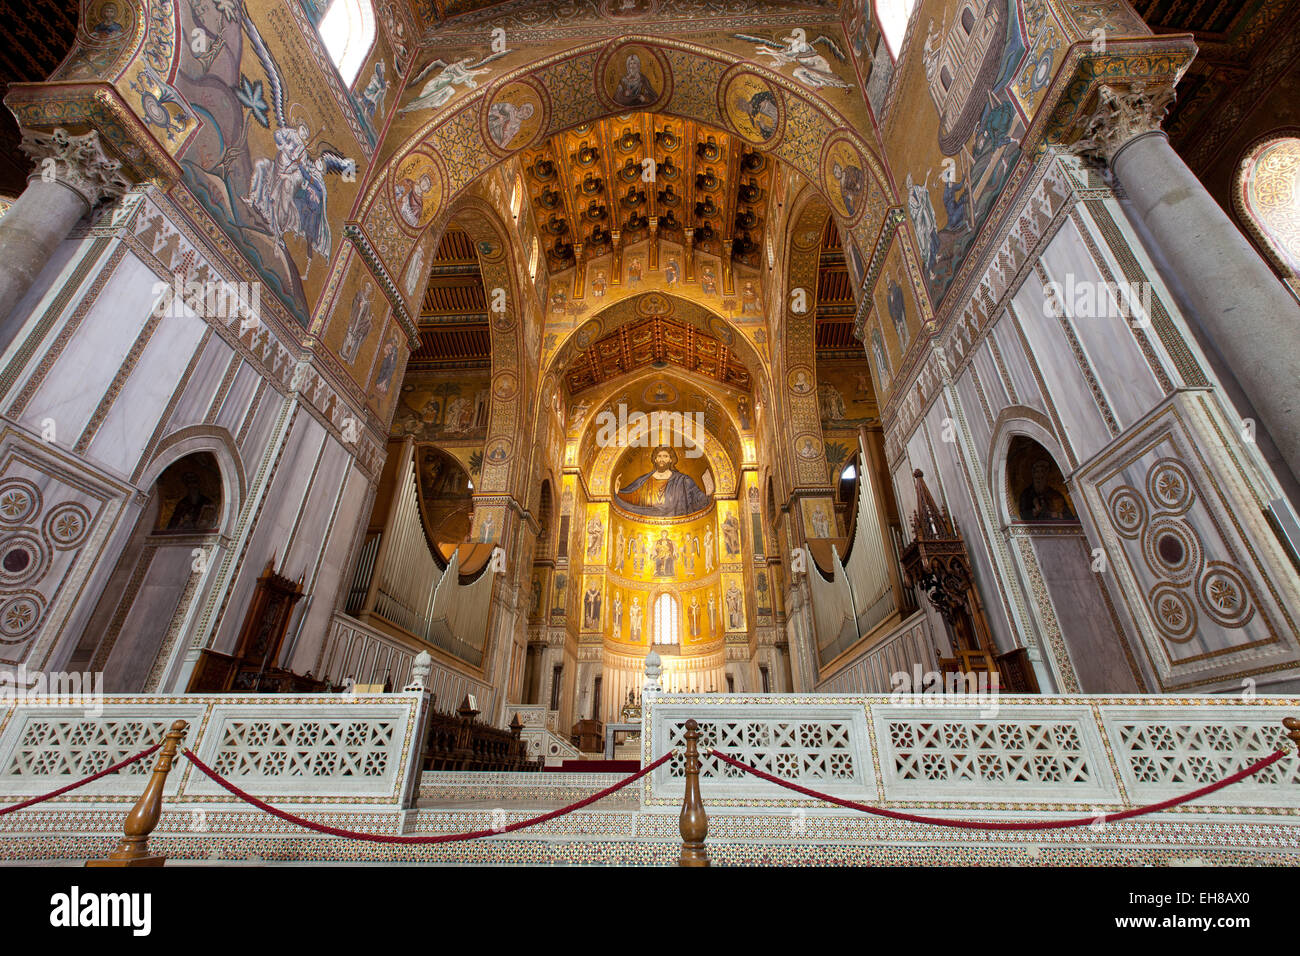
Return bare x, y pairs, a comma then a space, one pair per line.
822, 746
331, 748
46, 517
305, 748
1005, 753
1162, 758
802, 750
77, 748
1192, 571
992, 756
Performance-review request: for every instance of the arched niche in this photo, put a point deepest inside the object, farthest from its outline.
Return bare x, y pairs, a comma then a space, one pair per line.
545, 518
136, 630
446, 499
1036, 489
1084, 641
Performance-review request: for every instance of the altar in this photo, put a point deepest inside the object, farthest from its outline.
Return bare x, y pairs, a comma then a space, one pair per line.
630, 725
611, 732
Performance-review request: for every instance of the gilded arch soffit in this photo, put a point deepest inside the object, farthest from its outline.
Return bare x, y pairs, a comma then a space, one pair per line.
819, 135
796, 372
684, 392
718, 436
513, 376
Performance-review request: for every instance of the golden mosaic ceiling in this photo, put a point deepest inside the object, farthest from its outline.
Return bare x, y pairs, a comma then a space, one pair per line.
628, 173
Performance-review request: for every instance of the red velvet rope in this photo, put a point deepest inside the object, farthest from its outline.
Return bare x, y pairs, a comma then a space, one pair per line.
441, 838
1036, 825
81, 783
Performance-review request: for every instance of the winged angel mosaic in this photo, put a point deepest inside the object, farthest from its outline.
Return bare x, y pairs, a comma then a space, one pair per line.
439, 90
262, 192
811, 68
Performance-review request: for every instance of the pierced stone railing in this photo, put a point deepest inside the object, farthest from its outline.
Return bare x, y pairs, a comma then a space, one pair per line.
1024, 756
350, 753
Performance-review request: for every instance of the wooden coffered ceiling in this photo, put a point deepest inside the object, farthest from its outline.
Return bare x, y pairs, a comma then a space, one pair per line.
590, 182
835, 303
453, 313
38, 35
655, 340
1236, 39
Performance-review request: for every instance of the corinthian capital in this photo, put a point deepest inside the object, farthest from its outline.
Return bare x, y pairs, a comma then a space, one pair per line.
1122, 115
77, 161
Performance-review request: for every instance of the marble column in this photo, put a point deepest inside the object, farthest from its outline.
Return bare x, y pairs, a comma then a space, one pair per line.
1243, 311
72, 175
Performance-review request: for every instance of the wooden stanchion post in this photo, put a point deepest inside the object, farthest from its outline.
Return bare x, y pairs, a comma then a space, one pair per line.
694, 822
1292, 726
133, 848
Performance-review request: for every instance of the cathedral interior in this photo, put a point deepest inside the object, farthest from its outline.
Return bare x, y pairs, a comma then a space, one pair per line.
787, 347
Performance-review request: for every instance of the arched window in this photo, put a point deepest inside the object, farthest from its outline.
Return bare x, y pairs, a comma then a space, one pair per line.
665, 620
1268, 199
848, 482
517, 197
893, 16
348, 32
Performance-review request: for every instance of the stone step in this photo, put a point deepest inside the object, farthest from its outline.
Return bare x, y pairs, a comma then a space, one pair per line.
628, 836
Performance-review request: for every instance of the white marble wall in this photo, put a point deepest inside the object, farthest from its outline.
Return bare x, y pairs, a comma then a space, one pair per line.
1128, 409
101, 391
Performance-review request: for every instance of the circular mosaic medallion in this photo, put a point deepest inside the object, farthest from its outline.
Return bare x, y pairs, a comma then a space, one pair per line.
800, 380
721, 330
652, 304
659, 393
1128, 512
504, 386
804, 239
585, 335
67, 525
753, 106
417, 185
1169, 486
632, 76
498, 452
1174, 614
808, 446
503, 322
19, 499
1225, 596
22, 558
844, 178
515, 115
20, 616
1171, 549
